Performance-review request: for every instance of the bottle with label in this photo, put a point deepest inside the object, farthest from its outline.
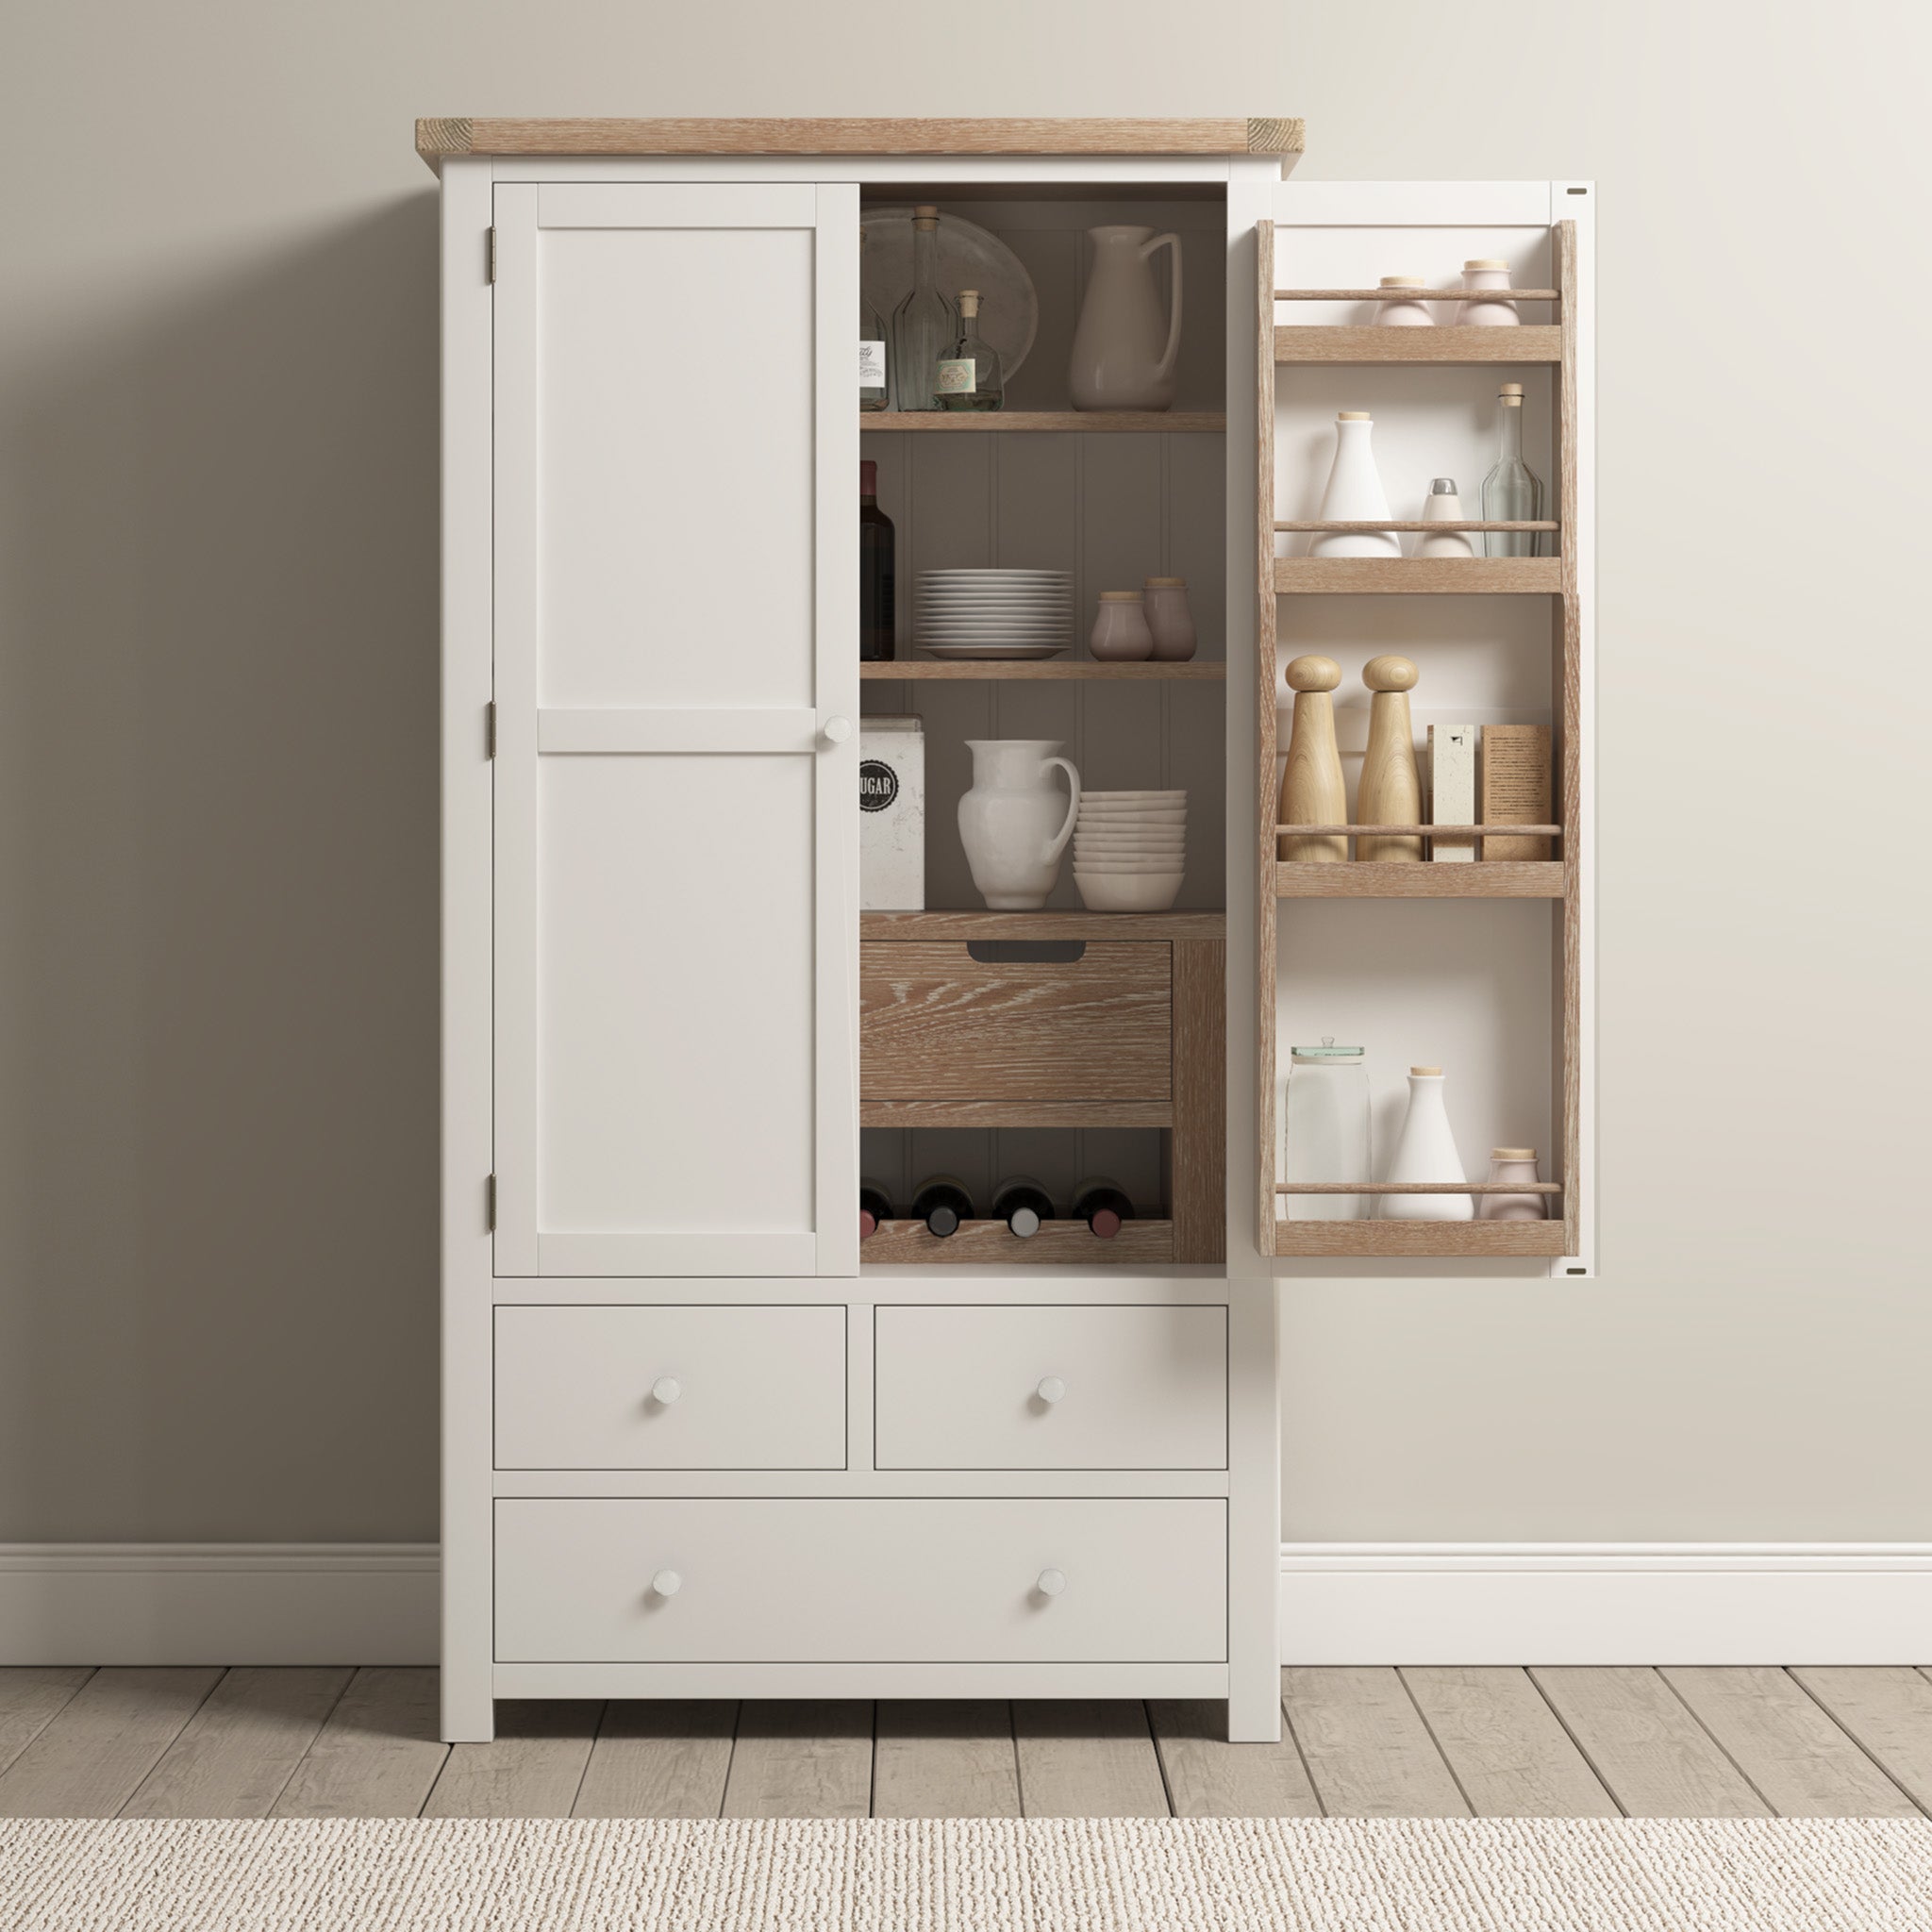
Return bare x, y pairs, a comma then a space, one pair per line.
1102, 1204
874, 1208
873, 385
942, 1203
969, 373
878, 580
924, 324
1022, 1205
1512, 492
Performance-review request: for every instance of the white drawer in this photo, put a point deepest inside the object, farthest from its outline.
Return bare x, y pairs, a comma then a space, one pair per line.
756, 1388
1135, 1386
862, 1580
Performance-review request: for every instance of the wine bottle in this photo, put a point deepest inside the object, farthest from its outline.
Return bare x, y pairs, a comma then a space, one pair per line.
924, 325
1022, 1205
942, 1204
874, 1208
1512, 492
873, 380
877, 579
969, 373
1103, 1206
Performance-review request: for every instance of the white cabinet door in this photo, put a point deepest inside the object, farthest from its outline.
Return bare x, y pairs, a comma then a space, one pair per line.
677, 450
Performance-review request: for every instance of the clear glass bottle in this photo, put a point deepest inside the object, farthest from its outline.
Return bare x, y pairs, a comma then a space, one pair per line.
1324, 1134
924, 325
1512, 492
873, 382
969, 374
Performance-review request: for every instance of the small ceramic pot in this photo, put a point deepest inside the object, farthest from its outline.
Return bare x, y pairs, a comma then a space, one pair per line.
1169, 620
1120, 631
1404, 314
1487, 312
1512, 1164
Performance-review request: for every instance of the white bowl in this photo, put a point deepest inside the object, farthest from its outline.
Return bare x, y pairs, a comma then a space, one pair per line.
1112, 868
1115, 822
1128, 862
1131, 842
1138, 892
1137, 797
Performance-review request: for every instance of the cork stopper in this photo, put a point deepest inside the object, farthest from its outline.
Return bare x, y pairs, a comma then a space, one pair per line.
1314, 674
925, 216
1388, 674
1511, 395
1120, 596
1353, 416
1426, 1072
1402, 282
969, 303
1484, 262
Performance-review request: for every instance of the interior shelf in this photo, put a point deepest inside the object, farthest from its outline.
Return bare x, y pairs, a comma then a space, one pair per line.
1418, 1239
1016, 1114
1370, 343
993, 1240
1041, 925
1047, 670
1481, 576
1081, 421
1484, 878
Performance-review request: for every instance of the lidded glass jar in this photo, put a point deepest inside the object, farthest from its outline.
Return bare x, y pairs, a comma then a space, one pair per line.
1324, 1134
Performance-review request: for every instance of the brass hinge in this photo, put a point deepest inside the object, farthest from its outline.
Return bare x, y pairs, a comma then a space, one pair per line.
490, 1203
490, 729
490, 254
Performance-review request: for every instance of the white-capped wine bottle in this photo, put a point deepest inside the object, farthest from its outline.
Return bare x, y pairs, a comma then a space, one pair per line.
1022, 1205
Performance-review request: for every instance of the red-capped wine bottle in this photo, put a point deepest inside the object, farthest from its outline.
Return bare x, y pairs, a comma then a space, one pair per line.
1103, 1206
877, 579
942, 1204
1022, 1205
872, 1208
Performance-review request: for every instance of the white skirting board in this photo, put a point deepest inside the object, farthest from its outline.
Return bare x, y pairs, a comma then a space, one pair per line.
1606, 1602
218, 1602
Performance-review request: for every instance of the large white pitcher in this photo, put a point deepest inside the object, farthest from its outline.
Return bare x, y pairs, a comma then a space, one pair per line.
1012, 823
1123, 349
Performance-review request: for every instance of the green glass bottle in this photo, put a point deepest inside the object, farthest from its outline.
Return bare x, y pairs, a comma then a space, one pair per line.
969, 374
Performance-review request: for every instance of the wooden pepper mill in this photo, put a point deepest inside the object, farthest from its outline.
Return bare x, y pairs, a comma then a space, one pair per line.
1312, 792
1391, 791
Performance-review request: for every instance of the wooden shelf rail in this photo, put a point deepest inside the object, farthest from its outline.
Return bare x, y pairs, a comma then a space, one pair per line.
1419, 1186
1139, 1241
1437, 577
1065, 421
1424, 878
1042, 671
1418, 1239
1352, 529
1422, 831
1374, 342
1419, 296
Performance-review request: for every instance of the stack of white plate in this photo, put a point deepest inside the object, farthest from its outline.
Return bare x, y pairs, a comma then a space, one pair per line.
1130, 849
994, 613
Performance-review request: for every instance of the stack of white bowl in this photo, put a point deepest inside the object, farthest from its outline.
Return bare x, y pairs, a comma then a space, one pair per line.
994, 613
1130, 850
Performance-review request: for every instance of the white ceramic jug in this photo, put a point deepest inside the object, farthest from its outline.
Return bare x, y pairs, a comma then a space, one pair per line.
1426, 1151
1012, 823
1124, 350
1355, 494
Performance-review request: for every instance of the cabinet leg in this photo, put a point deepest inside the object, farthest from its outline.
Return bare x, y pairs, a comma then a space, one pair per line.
1254, 1717
469, 1709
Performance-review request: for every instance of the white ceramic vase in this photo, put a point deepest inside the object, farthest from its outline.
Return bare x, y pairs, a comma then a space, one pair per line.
1013, 822
1125, 349
1426, 1151
1355, 494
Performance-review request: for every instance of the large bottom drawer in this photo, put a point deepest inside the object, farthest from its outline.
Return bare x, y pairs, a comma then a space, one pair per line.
862, 1580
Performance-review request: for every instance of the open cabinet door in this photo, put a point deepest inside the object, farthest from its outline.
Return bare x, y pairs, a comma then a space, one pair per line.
676, 500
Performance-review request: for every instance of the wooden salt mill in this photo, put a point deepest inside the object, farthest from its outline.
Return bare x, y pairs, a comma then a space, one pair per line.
1312, 792
1391, 791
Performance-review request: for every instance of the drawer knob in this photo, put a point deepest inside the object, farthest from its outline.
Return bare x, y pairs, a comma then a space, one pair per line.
836, 731
1051, 1389
666, 1583
666, 1388
1051, 1582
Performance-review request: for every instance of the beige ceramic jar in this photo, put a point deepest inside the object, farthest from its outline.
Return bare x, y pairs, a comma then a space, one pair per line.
1512, 1164
1168, 621
1120, 631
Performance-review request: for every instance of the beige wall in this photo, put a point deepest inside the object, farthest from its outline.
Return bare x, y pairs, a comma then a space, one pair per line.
217, 600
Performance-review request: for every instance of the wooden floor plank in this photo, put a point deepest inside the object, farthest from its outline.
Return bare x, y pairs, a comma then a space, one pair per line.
799, 1759
530, 1768
1367, 1749
90, 1759
1802, 1764
31, 1697
1888, 1709
1087, 1759
1656, 1760
658, 1760
377, 1756
949, 1757
1504, 1744
239, 1750
1208, 1777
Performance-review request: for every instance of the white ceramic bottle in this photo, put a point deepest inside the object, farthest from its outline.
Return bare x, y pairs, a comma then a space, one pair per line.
1426, 1151
1412, 314
1485, 309
1444, 506
1355, 494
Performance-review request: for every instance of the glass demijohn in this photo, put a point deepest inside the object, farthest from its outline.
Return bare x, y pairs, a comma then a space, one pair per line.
1325, 1128
872, 382
924, 325
969, 373
1512, 492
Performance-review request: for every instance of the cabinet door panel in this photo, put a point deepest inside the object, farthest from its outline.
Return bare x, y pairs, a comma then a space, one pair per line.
675, 610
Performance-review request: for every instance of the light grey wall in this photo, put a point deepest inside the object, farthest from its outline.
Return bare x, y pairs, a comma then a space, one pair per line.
217, 603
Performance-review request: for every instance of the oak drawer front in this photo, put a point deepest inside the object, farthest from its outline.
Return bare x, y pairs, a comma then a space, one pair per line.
935, 1024
1061, 1387
676, 1387
860, 1580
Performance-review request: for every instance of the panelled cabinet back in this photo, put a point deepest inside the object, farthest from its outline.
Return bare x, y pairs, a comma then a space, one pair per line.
698, 1440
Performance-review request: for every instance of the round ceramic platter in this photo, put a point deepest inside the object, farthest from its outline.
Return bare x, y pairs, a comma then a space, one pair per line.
1139, 815
970, 257
1098, 798
1057, 625
1012, 651
997, 607
1006, 592
971, 571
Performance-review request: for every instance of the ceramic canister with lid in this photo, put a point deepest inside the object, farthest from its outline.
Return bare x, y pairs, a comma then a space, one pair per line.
1324, 1134
1512, 1164
1485, 272
1120, 630
1414, 314
1169, 620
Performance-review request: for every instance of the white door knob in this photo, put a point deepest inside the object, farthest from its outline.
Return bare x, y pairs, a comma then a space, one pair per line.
667, 1583
838, 730
666, 1388
1051, 1582
1051, 1389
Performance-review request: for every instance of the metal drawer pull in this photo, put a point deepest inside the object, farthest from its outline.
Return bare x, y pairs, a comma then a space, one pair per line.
666, 1388
1051, 1389
1051, 1582
666, 1583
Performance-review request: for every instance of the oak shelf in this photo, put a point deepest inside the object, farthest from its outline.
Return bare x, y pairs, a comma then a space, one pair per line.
1077, 421
1015, 1113
1482, 878
1139, 1241
1303, 343
1413, 294
1398, 577
1041, 925
1042, 671
1418, 1239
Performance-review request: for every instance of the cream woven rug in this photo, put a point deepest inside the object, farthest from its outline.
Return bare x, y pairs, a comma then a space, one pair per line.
974, 1875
